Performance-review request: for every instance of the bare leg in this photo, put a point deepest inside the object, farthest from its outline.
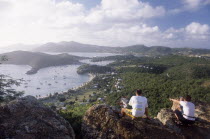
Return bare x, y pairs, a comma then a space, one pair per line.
176, 116
123, 111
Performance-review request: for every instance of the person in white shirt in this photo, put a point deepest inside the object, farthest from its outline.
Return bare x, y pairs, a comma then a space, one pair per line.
187, 116
139, 106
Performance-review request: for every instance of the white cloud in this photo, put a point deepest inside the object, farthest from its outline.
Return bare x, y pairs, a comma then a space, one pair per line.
197, 28
193, 35
192, 3
113, 22
37, 21
189, 6
197, 31
123, 10
195, 4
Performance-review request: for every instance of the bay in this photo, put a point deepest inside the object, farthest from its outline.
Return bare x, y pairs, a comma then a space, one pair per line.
51, 79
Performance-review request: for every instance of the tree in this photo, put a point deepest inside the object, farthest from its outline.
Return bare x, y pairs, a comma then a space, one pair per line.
6, 83
62, 99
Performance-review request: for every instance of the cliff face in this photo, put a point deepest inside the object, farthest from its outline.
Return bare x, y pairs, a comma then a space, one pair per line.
102, 122
28, 118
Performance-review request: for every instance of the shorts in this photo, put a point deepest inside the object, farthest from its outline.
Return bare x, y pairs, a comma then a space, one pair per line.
128, 111
182, 119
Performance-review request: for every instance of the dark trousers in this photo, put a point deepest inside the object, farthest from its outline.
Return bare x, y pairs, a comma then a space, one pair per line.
182, 119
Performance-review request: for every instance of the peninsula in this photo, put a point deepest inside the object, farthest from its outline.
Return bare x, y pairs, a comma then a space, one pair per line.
39, 60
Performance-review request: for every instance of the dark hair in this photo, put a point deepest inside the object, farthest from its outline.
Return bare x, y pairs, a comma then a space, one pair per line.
139, 91
188, 98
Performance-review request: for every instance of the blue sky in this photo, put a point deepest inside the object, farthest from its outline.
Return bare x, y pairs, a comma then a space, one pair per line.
173, 23
201, 15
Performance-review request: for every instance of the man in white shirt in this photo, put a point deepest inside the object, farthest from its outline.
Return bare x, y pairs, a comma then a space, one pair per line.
187, 116
139, 106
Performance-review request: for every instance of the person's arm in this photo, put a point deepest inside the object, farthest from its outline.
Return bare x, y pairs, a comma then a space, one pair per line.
130, 102
174, 100
147, 112
146, 109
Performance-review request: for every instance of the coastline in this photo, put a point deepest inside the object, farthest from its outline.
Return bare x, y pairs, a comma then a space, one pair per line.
91, 75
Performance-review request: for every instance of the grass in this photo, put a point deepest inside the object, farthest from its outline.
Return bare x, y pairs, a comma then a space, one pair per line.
84, 94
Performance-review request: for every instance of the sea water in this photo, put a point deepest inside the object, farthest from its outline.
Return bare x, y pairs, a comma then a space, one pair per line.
51, 79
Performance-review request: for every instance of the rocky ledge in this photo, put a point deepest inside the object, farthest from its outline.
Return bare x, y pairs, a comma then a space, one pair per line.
103, 122
27, 118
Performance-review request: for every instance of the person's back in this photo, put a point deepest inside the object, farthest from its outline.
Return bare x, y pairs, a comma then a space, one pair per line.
138, 103
188, 110
139, 106
187, 116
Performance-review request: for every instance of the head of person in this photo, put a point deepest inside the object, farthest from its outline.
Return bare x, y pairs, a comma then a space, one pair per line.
139, 92
181, 98
187, 98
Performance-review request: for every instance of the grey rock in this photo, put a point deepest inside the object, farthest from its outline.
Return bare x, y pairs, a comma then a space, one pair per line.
102, 122
27, 118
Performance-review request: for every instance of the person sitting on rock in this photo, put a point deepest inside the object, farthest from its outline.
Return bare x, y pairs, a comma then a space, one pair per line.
139, 106
186, 116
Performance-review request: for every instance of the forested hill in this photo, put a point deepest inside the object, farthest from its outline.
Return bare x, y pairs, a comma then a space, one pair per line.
71, 47
39, 60
140, 49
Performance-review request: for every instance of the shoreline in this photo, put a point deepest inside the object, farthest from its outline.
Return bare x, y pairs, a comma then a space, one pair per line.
91, 77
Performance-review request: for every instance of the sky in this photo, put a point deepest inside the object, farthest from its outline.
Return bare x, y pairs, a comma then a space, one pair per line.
172, 23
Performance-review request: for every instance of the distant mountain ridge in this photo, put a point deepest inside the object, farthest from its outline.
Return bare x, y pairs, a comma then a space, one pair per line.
134, 49
71, 47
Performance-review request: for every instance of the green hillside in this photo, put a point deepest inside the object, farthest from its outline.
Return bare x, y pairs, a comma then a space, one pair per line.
164, 77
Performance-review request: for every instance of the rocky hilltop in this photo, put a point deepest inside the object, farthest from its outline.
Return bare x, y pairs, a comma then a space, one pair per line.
27, 118
103, 122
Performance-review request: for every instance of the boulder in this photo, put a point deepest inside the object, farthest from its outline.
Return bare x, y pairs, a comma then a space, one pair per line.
28, 118
167, 118
102, 122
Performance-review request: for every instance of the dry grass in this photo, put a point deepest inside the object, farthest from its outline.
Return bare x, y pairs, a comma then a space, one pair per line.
206, 84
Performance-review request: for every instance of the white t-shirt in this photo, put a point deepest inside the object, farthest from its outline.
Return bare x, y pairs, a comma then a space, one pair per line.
138, 103
188, 110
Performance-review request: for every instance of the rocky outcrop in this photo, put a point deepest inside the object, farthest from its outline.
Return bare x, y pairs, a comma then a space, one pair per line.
167, 118
202, 110
27, 118
102, 122
201, 128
